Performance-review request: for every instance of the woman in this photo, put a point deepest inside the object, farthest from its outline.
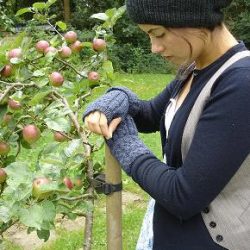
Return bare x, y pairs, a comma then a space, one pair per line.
202, 200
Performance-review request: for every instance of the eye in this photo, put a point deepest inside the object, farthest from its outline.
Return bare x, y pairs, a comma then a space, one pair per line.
160, 36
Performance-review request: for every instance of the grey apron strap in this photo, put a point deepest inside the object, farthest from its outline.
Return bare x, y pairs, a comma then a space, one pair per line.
200, 102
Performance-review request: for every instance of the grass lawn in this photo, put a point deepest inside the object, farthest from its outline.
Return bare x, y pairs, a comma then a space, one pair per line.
145, 86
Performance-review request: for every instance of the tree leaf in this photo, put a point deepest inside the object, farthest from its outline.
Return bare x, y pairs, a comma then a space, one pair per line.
108, 69
39, 5
49, 211
58, 123
38, 97
23, 11
43, 234
100, 16
38, 72
61, 25
5, 215
73, 147
15, 60
32, 217
50, 2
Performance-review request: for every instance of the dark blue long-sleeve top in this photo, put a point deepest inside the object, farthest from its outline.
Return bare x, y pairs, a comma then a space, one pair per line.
221, 143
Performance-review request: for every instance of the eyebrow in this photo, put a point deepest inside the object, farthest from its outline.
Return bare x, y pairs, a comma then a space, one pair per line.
151, 30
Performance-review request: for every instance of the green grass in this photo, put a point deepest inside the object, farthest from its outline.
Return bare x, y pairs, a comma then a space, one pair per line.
145, 86
132, 217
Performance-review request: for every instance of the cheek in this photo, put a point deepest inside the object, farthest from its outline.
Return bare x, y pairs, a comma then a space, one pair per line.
179, 47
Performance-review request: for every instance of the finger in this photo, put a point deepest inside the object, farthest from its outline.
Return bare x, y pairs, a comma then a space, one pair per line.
93, 122
113, 125
103, 124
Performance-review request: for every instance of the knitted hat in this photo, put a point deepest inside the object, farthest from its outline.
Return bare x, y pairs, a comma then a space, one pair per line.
177, 13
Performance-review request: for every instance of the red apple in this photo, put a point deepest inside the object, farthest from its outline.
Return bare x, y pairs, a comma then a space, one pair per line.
6, 119
6, 71
65, 52
70, 36
50, 49
99, 45
41, 46
56, 79
31, 133
14, 53
68, 183
76, 46
93, 76
59, 136
14, 105
4, 148
37, 188
78, 182
3, 175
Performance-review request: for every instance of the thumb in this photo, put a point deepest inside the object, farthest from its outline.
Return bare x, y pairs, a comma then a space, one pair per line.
113, 125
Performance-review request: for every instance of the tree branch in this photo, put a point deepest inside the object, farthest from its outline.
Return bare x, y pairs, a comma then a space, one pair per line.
53, 27
14, 85
90, 172
84, 196
70, 66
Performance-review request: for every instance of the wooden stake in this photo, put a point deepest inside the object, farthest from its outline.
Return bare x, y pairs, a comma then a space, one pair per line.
113, 203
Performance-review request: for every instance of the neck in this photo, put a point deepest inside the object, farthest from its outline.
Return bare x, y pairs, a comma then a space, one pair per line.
219, 42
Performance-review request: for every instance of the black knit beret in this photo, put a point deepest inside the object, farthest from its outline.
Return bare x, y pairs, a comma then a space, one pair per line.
177, 13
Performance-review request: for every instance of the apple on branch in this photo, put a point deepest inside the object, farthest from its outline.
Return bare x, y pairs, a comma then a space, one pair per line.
70, 36
6, 119
4, 148
77, 46
6, 71
50, 49
56, 79
38, 188
68, 183
14, 105
15, 53
42, 45
59, 136
31, 133
3, 175
65, 52
99, 44
93, 76
78, 182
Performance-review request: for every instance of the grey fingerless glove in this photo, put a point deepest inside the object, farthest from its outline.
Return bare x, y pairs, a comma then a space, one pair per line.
125, 145
113, 104
134, 102
117, 102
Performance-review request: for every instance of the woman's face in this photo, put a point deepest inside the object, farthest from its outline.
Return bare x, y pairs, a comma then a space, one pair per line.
178, 45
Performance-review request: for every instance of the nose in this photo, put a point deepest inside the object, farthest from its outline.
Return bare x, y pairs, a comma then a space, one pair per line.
157, 48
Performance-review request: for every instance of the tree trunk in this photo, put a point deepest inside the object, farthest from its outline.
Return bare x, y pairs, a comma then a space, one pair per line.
89, 215
67, 13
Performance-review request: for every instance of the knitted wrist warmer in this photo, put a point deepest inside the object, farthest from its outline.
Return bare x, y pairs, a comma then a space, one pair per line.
125, 145
134, 102
113, 104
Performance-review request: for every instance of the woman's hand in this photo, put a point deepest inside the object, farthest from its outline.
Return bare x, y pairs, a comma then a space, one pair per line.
97, 122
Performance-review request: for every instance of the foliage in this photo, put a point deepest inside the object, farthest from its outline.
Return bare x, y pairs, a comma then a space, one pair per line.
130, 59
238, 16
6, 23
43, 93
127, 34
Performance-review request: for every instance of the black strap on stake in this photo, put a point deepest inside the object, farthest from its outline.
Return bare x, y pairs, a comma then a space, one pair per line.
105, 188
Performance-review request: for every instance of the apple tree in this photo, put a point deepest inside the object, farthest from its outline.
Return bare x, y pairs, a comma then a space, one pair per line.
44, 85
